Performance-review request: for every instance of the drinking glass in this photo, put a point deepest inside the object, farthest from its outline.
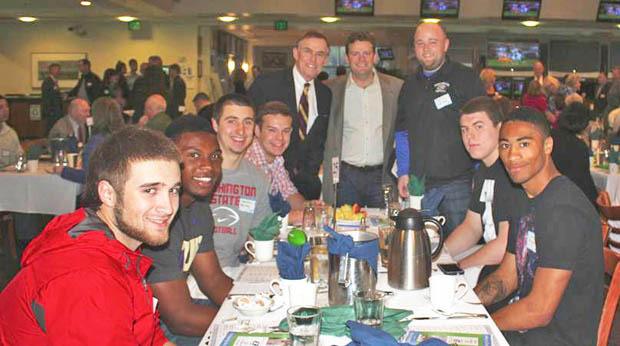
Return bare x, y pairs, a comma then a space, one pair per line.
385, 234
319, 260
304, 325
369, 306
309, 219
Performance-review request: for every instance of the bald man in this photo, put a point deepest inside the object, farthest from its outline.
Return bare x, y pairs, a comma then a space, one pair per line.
74, 123
155, 117
427, 126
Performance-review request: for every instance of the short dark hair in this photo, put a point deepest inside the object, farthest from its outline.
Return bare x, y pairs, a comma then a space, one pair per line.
112, 159
107, 116
532, 116
484, 104
574, 118
201, 96
188, 123
132, 60
85, 62
175, 67
52, 65
361, 36
312, 34
270, 108
231, 99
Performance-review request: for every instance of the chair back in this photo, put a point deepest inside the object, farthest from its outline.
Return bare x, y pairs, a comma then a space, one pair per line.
609, 308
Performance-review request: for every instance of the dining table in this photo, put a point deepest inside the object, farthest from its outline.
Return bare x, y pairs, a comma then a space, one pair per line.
37, 192
254, 277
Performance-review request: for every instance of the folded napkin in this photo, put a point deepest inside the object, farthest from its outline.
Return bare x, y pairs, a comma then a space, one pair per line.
268, 229
341, 244
334, 319
363, 335
290, 260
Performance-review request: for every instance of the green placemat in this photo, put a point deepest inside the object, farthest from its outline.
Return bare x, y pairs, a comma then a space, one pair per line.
334, 318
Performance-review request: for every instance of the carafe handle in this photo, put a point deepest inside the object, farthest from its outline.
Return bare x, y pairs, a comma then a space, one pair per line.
440, 231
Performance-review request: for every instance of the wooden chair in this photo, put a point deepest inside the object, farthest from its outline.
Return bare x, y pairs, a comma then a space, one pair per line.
608, 212
609, 308
7, 233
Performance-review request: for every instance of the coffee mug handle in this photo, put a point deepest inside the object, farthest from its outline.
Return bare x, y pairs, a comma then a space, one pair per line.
441, 219
276, 287
458, 287
250, 244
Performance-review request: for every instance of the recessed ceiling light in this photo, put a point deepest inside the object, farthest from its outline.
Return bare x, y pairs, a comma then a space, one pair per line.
126, 18
227, 19
530, 23
27, 19
329, 19
86, 3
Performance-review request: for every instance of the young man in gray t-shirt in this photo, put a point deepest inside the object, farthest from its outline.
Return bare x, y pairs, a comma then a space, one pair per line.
241, 200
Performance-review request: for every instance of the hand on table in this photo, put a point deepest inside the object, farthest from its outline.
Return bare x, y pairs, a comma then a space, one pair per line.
55, 170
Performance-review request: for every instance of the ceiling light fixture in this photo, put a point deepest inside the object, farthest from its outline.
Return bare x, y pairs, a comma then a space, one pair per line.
329, 19
227, 19
126, 19
530, 23
431, 20
86, 3
27, 19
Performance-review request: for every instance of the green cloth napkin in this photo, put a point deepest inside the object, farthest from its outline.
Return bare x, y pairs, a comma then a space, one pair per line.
268, 229
334, 319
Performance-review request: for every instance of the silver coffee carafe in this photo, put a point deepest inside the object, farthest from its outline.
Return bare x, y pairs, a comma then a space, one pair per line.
410, 251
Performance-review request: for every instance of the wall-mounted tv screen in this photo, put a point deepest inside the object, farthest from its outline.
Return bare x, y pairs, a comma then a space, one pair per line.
439, 9
518, 87
502, 86
355, 7
608, 11
521, 9
512, 55
385, 53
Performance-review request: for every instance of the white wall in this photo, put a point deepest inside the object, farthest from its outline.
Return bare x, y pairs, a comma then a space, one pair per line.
105, 43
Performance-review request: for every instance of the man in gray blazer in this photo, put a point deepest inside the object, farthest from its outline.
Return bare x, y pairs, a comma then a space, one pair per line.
361, 127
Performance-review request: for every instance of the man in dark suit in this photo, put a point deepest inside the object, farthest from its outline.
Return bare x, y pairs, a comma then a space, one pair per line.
51, 98
89, 87
301, 91
176, 97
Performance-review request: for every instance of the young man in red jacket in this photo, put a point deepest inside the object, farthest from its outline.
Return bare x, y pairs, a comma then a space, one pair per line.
82, 280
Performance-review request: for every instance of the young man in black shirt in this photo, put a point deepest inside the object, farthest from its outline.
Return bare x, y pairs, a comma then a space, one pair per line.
487, 217
554, 261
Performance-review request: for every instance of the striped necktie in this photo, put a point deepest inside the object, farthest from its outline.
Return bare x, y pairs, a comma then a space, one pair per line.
303, 111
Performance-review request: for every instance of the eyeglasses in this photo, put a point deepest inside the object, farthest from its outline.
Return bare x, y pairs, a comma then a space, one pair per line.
307, 52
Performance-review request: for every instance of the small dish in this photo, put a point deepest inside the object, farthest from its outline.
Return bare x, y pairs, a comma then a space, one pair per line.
348, 223
252, 306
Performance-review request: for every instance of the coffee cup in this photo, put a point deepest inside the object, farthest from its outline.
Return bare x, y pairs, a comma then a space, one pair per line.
294, 292
445, 290
261, 250
33, 166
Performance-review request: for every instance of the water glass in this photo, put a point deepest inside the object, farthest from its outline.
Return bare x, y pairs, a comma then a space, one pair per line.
369, 306
319, 260
304, 325
309, 219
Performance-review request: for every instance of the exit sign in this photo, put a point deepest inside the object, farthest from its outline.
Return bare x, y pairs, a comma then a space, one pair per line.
134, 25
280, 25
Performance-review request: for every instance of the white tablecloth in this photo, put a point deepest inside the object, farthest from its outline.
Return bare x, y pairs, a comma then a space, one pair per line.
39, 192
417, 300
600, 177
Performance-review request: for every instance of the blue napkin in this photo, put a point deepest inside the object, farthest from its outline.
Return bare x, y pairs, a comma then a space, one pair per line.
279, 205
290, 260
431, 200
340, 244
363, 335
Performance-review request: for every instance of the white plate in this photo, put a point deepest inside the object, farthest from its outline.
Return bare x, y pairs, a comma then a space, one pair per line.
348, 223
253, 306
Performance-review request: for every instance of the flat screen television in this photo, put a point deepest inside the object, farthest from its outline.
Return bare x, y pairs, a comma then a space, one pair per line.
521, 9
518, 87
385, 53
608, 11
502, 86
439, 8
355, 7
503, 55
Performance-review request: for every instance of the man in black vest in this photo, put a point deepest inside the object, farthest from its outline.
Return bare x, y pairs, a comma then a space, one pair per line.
90, 86
301, 91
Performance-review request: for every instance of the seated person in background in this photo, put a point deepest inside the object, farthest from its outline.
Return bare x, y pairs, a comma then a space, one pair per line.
82, 280
74, 123
203, 106
487, 217
107, 119
240, 201
534, 97
155, 117
9, 142
554, 258
570, 154
274, 124
190, 248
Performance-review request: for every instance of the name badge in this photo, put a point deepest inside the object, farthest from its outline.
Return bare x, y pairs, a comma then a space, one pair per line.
247, 205
443, 101
531, 241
